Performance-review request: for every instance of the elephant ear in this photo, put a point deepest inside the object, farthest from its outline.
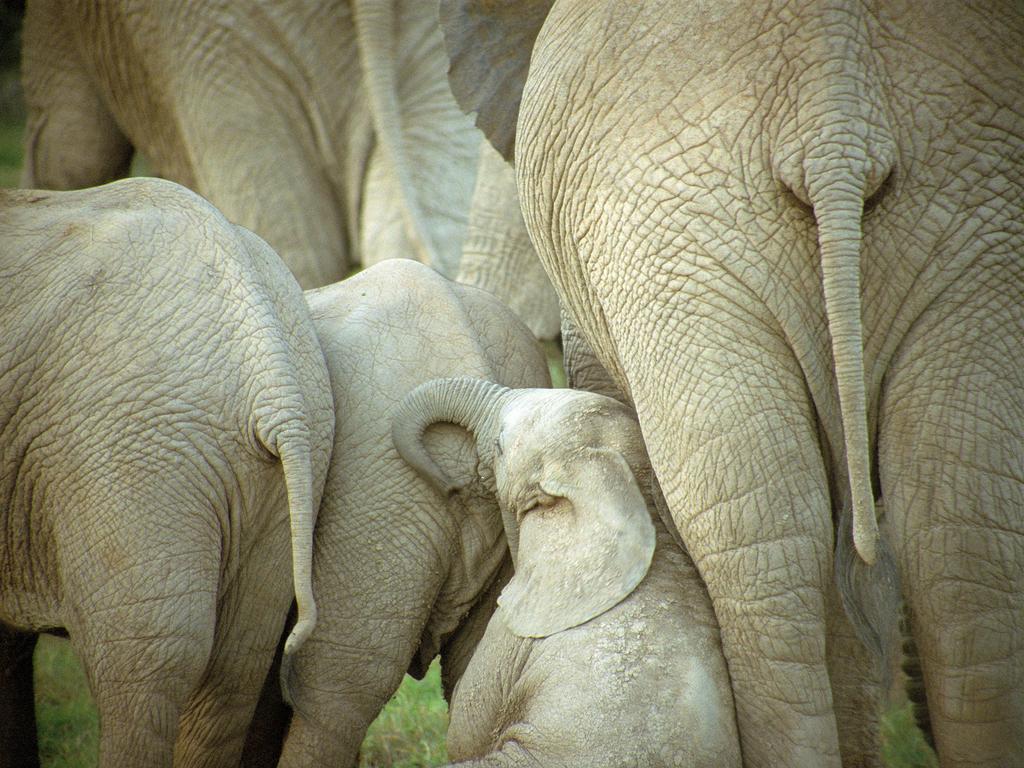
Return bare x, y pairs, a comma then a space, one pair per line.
489, 45
582, 554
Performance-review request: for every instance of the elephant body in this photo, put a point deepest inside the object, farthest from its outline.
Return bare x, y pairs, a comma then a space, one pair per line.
604, 650
400, 573
644, 683
791, 235
159, 371
327, 128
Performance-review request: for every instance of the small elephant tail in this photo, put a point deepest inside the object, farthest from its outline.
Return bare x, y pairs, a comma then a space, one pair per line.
292, 446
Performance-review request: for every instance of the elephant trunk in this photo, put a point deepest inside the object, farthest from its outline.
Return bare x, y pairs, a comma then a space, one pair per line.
471, 403
375, 32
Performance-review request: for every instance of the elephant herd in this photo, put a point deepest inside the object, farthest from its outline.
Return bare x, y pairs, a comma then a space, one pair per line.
783, 244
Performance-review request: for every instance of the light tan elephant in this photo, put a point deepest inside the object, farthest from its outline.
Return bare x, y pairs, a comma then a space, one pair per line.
326, 127
790, 233
604, 650
165, 423
400, 573
497, 254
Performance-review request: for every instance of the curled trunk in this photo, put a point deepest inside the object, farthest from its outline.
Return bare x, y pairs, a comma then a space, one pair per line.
471, 403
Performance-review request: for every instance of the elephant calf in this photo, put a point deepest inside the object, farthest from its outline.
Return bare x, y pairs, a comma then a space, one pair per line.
400, 575
604, 650
165, 420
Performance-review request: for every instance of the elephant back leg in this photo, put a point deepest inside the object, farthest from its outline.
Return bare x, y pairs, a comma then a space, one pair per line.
140, 578
951, 442
71, 138
735, 448
273, 182
250, 619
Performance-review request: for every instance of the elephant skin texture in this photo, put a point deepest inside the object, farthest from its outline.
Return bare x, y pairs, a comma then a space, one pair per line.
604, 650
497, 254
401, 573
791, 235
166, 421
326, 127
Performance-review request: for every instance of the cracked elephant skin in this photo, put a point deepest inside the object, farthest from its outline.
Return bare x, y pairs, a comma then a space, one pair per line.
166, 424
791, 234
327, 128
401, 573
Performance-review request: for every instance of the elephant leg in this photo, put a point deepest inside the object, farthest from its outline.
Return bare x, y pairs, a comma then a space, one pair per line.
18, 745
273, 184
71, 139
951, 431
251, 618
145, 603
265, 737
856, 674
733, 440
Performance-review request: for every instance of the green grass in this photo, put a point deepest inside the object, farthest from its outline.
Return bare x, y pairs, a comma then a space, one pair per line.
410, 732
67, 721
10, 153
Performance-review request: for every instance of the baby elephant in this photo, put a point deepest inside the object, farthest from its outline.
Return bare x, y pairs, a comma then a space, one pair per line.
399, 574
604, 650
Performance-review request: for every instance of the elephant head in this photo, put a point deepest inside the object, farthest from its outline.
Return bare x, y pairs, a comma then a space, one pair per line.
564, 468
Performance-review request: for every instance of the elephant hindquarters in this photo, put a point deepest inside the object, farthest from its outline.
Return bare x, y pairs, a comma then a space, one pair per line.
951, 431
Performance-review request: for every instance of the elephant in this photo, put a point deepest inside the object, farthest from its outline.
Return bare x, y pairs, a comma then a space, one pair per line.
790, 235
328, 128
497, 254
400, 574
604, 650
165, 431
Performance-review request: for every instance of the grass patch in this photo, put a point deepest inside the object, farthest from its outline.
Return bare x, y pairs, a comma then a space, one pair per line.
553, 353
410, 732
903, 745
10, 153
68, 726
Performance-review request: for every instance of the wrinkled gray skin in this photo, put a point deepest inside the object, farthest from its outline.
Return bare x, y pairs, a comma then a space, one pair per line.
790, 233
604, 650
400, 573
497, 254
327, 127
158, 373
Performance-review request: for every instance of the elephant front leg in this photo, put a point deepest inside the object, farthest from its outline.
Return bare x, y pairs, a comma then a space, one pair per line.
18, 745
733, 441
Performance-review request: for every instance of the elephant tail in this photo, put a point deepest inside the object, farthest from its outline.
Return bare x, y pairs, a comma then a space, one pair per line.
375, 32
292, 446
838, 207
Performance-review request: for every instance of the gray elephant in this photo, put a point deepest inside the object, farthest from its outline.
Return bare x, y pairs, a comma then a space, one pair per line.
165, 422
497, 254
400, 575
790, 233
327, 127
604, 650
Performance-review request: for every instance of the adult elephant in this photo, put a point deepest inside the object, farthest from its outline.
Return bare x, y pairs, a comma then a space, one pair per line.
791, 235
497, 254
327, 127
